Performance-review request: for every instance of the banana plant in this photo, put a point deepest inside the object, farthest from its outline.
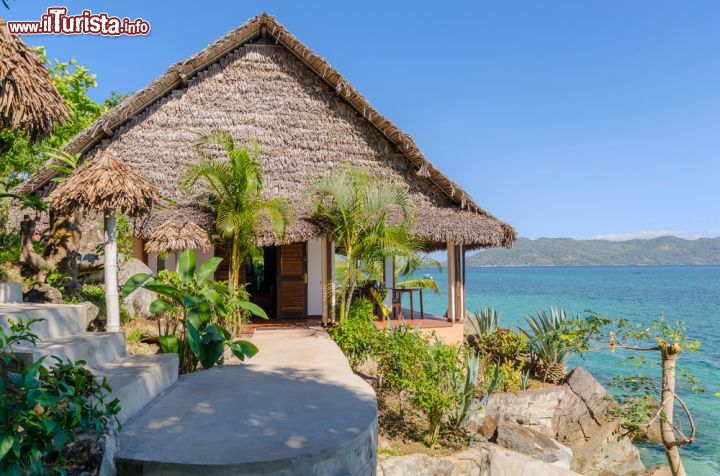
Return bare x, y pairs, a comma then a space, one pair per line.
198, 339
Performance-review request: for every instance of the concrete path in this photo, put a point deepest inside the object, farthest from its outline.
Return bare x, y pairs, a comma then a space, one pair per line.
294, 408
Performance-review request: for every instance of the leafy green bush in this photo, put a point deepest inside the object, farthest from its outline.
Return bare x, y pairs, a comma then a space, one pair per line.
197, 304
400, 359
95, 294
438, 389
44, 409
357, 335
504, 345
510, 375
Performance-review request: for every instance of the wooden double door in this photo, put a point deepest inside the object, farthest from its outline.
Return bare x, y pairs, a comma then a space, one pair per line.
283, 292
291, 278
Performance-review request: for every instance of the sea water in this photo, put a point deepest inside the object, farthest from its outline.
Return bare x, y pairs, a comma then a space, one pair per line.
638, 293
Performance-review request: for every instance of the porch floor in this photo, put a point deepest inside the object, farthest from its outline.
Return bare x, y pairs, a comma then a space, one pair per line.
448, 332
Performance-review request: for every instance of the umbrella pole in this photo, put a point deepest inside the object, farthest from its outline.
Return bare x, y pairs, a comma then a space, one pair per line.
112, 302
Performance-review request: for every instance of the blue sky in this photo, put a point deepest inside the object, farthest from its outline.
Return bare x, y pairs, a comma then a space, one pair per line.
564, 118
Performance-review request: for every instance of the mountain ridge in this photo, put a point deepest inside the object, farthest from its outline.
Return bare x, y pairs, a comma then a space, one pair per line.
664, 250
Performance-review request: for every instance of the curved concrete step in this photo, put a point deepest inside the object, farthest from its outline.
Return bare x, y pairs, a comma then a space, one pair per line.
295, 408
95, 348
136, 380
58, 320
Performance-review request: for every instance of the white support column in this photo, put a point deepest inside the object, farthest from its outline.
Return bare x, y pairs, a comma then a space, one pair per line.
389, 279
451, 272
112, 300
461, 282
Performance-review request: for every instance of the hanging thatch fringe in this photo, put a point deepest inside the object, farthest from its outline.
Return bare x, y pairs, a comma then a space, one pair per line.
423, 170
104, 185
28, 99
177, 235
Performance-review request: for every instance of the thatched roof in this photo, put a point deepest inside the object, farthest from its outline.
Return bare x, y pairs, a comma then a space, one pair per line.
261, 81
104, 184
178, 234
28, 99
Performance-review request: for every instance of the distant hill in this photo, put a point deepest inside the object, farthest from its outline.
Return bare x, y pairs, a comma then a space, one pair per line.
665, 250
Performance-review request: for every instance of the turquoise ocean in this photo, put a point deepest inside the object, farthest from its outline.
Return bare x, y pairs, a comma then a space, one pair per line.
638, 293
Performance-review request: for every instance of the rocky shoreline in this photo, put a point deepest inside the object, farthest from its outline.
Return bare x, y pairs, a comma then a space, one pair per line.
560, 430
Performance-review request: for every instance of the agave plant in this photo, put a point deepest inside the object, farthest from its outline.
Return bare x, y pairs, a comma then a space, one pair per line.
485, 322
549, 352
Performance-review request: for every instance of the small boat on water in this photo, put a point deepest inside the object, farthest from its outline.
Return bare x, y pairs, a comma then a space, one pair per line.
428, 276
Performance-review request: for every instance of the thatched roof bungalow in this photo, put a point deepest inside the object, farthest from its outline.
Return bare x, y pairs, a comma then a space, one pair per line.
260, 81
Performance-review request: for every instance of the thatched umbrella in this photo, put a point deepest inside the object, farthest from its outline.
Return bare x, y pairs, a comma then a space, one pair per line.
178, 234
28, 99
106, 185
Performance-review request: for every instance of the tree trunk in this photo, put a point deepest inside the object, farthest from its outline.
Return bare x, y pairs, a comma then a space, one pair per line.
235, 261
670, 355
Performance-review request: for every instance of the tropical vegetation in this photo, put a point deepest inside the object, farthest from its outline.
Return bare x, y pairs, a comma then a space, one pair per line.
45, 407
190, 310
355, 208
234, 191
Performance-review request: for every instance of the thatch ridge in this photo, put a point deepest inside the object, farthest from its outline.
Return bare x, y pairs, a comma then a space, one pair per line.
177, 78
104, 185
28, 98
178, 234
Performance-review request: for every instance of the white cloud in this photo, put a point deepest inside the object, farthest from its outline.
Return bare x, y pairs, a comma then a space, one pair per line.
641, 235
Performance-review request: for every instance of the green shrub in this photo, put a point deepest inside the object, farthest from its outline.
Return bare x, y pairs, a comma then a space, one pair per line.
44, 409
197, 304
510, 375
504, 345
10, 248
357, 335
400, 359
438, 389
95, 294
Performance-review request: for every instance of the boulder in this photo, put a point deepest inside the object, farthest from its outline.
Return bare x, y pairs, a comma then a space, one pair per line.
91, 312
415, 465
584, 423
489, 425
658, 470
138, 302
43, 293
531, 443
505, 462
533, 408
483, 459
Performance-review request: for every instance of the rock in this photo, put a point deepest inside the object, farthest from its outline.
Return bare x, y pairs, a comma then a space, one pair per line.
489, 425
594, 396
658, 470
91, 312
415, 465
504, 462
483, 459
138, 302
43, 293
605, 455
534, 444
533, 408
584, 423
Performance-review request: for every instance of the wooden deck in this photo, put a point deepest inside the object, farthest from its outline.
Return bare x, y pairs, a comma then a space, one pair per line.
448, 332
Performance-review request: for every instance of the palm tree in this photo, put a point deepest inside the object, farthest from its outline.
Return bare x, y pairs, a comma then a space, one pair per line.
405, 268
354, 206
235, 189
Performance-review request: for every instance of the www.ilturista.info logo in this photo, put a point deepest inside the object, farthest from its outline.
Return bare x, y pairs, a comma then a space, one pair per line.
57, 22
